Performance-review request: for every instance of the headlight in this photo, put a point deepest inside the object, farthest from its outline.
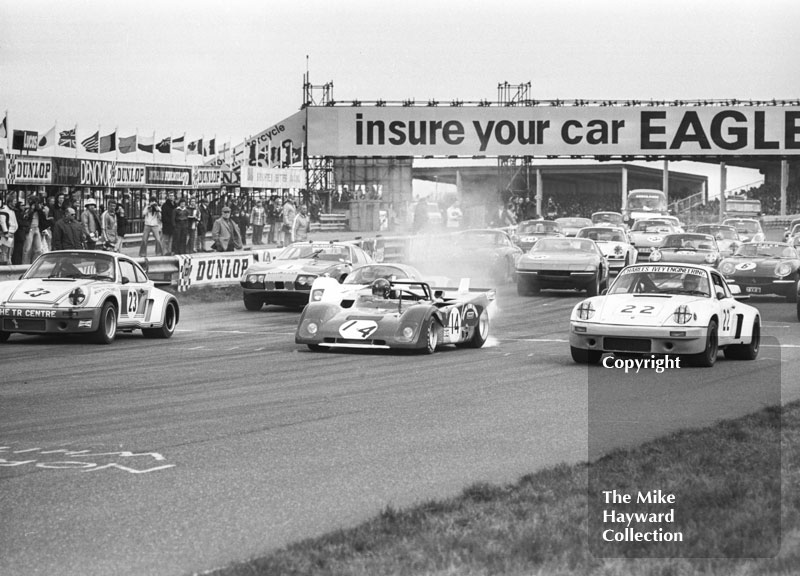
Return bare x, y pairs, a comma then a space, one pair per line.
408, 332
655, 256
711, 258
77, 296
312, 328
682, 314
783, 269
316, 295
305, 280
727, 268
585, 310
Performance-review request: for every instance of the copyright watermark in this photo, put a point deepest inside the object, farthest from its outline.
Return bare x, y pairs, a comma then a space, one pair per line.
657, 364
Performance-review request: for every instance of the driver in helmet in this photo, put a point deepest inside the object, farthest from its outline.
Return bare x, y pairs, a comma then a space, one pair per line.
694, 283
103, 268
381, 289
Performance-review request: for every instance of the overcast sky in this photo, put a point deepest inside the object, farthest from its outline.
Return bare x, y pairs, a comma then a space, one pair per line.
232, 68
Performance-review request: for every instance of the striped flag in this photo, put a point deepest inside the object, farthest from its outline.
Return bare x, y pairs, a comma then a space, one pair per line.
177, 143
66, 138
91, 143
146, 143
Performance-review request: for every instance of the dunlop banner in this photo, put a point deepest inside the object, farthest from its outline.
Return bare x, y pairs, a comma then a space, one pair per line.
207, 177
257, 177
27, 170
213, 268
130, 175
553, 131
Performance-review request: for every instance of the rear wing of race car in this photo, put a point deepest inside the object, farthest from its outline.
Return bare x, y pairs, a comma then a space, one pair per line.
463, 289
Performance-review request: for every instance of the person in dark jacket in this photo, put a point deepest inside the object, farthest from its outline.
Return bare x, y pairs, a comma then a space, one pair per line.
168, 223
68, 233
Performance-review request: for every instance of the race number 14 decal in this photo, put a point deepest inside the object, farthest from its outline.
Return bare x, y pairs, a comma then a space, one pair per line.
358, 329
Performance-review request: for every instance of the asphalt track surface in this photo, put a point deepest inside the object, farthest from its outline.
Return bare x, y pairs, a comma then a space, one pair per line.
229, 440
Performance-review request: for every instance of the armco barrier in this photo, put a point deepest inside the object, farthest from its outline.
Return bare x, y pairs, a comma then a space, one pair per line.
179, 270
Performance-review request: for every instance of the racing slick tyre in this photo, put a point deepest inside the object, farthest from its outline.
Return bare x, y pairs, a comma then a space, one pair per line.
707, 357
107, 329
746, 351
583, 356
252, 303
168, 328
594, 288
430, 331
4, 336
481, 332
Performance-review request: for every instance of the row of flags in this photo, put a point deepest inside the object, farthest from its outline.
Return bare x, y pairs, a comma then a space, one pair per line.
254, 153
98, 144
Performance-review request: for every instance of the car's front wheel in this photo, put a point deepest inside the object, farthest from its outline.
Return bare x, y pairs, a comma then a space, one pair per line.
594, 288
4, 335
107, 329
252, 302
431, 335
584, 356
708, 356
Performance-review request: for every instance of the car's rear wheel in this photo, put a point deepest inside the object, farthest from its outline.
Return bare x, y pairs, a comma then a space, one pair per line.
4, 335
431, 335
252, 302
584, 356
107, 330
746, 351
167, 329
480, 334
708, 356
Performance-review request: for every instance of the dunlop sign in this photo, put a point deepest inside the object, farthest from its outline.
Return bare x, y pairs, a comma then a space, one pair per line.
554, 131
214, 268
27, 170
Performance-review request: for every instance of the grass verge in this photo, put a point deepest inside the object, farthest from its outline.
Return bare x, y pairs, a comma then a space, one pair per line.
541, 525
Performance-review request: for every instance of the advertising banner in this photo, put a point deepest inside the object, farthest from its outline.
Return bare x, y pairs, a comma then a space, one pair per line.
128, 175
66, 171
257, 177
29, 170
96, 173
213, 268
168, 176
203, 177
553, 131
291, 129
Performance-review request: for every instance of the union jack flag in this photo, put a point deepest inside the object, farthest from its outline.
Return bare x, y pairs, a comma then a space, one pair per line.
66, 138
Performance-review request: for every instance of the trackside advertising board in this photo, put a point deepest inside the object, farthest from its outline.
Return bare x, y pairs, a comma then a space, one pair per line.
550, 130
213, 268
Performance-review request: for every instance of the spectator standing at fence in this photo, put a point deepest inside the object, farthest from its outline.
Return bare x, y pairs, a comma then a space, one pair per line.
168, 223
258, 219
273, 219
151, 225
203, 225
225, 233
244, 219
108, 221
181, 219
122, 224
288, 214
194, 219
34, 222
8, 227
19, 234
91, 222
301, 225
68, 233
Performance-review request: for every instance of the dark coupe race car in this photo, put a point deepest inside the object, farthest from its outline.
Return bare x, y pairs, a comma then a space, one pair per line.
287, 279
764, 268
688, 249
399, 314
562, 263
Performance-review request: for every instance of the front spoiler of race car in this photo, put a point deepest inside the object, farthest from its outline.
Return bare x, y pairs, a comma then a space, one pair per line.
761, 285
50, 321
637, 339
